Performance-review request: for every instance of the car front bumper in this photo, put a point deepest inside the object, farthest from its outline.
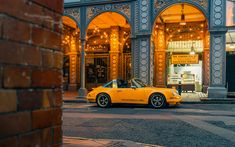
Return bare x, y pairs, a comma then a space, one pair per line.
91, 98
174, 100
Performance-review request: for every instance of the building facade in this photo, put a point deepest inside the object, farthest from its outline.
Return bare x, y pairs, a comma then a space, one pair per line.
161, 42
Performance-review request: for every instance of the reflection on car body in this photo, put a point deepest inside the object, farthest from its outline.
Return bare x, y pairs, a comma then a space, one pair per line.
133, 91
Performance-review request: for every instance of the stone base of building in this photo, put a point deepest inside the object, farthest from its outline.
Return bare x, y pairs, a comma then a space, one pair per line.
73, 87
82, 92
217, 92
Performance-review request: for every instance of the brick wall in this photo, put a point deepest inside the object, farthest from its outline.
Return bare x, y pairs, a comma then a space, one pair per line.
30, 72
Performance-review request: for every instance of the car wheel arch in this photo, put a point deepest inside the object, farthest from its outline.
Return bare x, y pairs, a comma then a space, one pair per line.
103, 93
156, 92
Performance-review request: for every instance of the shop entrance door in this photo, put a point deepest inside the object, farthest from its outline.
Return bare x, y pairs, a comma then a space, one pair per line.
97, 71
230, 77
127, 66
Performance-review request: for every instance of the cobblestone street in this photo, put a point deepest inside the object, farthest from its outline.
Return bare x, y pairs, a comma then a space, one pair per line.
186, 125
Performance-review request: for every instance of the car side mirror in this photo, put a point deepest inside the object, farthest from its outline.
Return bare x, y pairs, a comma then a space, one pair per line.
133, 87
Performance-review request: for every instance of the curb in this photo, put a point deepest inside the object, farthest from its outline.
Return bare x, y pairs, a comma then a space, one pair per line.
104, 142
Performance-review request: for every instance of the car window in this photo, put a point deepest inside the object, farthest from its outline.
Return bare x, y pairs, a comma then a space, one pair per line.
108, 85
122, 84
139, 83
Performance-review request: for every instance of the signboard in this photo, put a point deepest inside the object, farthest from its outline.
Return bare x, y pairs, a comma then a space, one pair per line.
184, 59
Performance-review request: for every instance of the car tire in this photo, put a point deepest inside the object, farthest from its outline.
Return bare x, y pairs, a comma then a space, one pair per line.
157, 100
103, 100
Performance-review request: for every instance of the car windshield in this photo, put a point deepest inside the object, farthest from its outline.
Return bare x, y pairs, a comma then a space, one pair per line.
108, 85
140, 83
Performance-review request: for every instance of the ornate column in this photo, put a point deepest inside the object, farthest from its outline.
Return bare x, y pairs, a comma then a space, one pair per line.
160, 58
141, 47
114, 52
73, 67
206, 61
217, 50
82, 91
145, 60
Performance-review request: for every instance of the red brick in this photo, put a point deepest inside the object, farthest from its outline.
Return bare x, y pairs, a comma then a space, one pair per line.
23, 9
52, 59
46, 38
1, 25
46, 78
58, 60
47, 137
29, 99
14, 123
1, 77
32, 139
31, 56
57, 145
17, 30
58, 24
57, 135
10, 52
15, 77
57, 116
58, 98
8, 101
47, 58
48, 99
56, 5
49, 22
42, 118
9, 142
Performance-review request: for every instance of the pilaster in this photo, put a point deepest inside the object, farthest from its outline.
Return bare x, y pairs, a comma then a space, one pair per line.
160, 57
206, 61
73, 63
114, 52
142, 50
73, 71
217, 85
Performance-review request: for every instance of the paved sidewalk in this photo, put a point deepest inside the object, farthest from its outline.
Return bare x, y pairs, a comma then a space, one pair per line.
85, 142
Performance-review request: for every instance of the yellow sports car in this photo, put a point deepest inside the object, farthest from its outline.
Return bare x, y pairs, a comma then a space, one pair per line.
133, 91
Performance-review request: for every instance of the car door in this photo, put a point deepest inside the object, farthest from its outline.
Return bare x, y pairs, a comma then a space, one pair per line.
130, 95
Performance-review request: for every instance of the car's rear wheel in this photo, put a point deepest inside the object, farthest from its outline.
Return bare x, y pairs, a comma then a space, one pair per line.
103, 100
157, 100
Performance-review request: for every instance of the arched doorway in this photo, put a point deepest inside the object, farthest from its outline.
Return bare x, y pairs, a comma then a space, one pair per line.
181, 48
71, 46
108, 49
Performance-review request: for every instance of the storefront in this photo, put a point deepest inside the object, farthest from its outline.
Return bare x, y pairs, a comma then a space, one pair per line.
169, 41
230, 48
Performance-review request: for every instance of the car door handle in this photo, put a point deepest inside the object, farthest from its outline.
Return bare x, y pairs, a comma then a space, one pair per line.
119, 90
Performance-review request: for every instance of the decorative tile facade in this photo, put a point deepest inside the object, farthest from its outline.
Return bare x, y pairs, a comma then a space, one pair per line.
217, 15
122, 8
159, 4
144, 17
138, 13
75, 12
144, 60
217, 60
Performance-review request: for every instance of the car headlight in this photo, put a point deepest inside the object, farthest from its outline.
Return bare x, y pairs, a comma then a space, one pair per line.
175, 93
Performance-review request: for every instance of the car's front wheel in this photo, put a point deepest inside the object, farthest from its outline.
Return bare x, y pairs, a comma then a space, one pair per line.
103, 100
157, 100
